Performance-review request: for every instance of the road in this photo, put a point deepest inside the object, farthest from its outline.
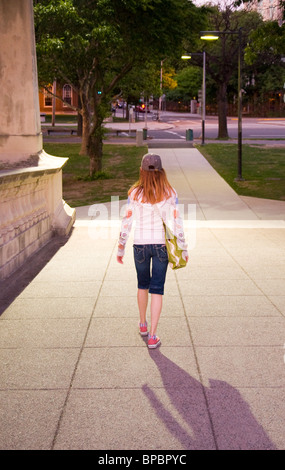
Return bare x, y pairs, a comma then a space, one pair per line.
252, 128
266, 130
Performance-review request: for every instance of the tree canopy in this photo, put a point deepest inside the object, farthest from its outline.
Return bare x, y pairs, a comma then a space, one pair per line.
222, 55
93, 44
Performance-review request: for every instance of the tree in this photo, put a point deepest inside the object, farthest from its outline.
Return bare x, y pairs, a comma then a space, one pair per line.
267, 42
222, 55
146, 81
142, 80
93, 44
264, 58
189, 81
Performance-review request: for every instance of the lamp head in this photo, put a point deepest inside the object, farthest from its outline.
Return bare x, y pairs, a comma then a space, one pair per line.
209, 37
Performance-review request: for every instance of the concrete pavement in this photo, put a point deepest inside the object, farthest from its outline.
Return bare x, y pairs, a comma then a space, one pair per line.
74, 372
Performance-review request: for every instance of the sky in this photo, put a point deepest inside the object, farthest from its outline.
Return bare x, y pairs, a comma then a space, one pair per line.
216, 2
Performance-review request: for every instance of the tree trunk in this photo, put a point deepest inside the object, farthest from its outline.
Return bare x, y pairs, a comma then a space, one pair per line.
79, 118
95, 152
95, 139
85, 129
222, 111
85, 117
79, 125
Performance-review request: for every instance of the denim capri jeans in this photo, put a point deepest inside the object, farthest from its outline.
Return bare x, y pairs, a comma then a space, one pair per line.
151, 263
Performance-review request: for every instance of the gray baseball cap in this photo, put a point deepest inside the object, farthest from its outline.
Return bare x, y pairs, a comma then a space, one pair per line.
151, 162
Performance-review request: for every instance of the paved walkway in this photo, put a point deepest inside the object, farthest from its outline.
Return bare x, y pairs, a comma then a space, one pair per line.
74, 372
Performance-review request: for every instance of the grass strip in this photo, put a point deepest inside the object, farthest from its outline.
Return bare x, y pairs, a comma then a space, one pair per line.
263, 168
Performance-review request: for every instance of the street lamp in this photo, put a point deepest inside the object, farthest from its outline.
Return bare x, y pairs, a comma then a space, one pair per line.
186, 57
212, 36
160, 98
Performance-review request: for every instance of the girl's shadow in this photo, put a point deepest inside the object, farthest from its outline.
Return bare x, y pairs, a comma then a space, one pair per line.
214, 417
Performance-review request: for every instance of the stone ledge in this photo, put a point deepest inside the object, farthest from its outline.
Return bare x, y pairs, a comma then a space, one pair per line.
45, 164
32, 210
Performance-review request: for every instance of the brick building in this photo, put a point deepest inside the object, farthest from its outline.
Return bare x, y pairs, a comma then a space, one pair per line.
69, 99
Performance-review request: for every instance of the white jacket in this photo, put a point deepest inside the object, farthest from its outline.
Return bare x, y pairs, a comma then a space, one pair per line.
149, 226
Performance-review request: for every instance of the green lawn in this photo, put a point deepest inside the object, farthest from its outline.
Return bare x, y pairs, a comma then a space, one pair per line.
263, 168
62, 119
121, 165
263, 171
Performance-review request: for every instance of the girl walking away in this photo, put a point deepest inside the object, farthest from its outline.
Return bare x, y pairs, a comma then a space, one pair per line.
150, 200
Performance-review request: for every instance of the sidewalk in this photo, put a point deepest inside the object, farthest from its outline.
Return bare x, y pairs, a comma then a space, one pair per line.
74, 372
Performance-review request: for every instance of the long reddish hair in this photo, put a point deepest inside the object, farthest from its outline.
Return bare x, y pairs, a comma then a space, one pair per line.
152, 187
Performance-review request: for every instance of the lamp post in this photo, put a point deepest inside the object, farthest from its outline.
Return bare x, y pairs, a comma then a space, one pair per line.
160, 98
188, 56
212, 36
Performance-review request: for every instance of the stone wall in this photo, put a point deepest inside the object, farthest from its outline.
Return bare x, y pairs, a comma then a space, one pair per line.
32, 211
31, 207
20, 129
